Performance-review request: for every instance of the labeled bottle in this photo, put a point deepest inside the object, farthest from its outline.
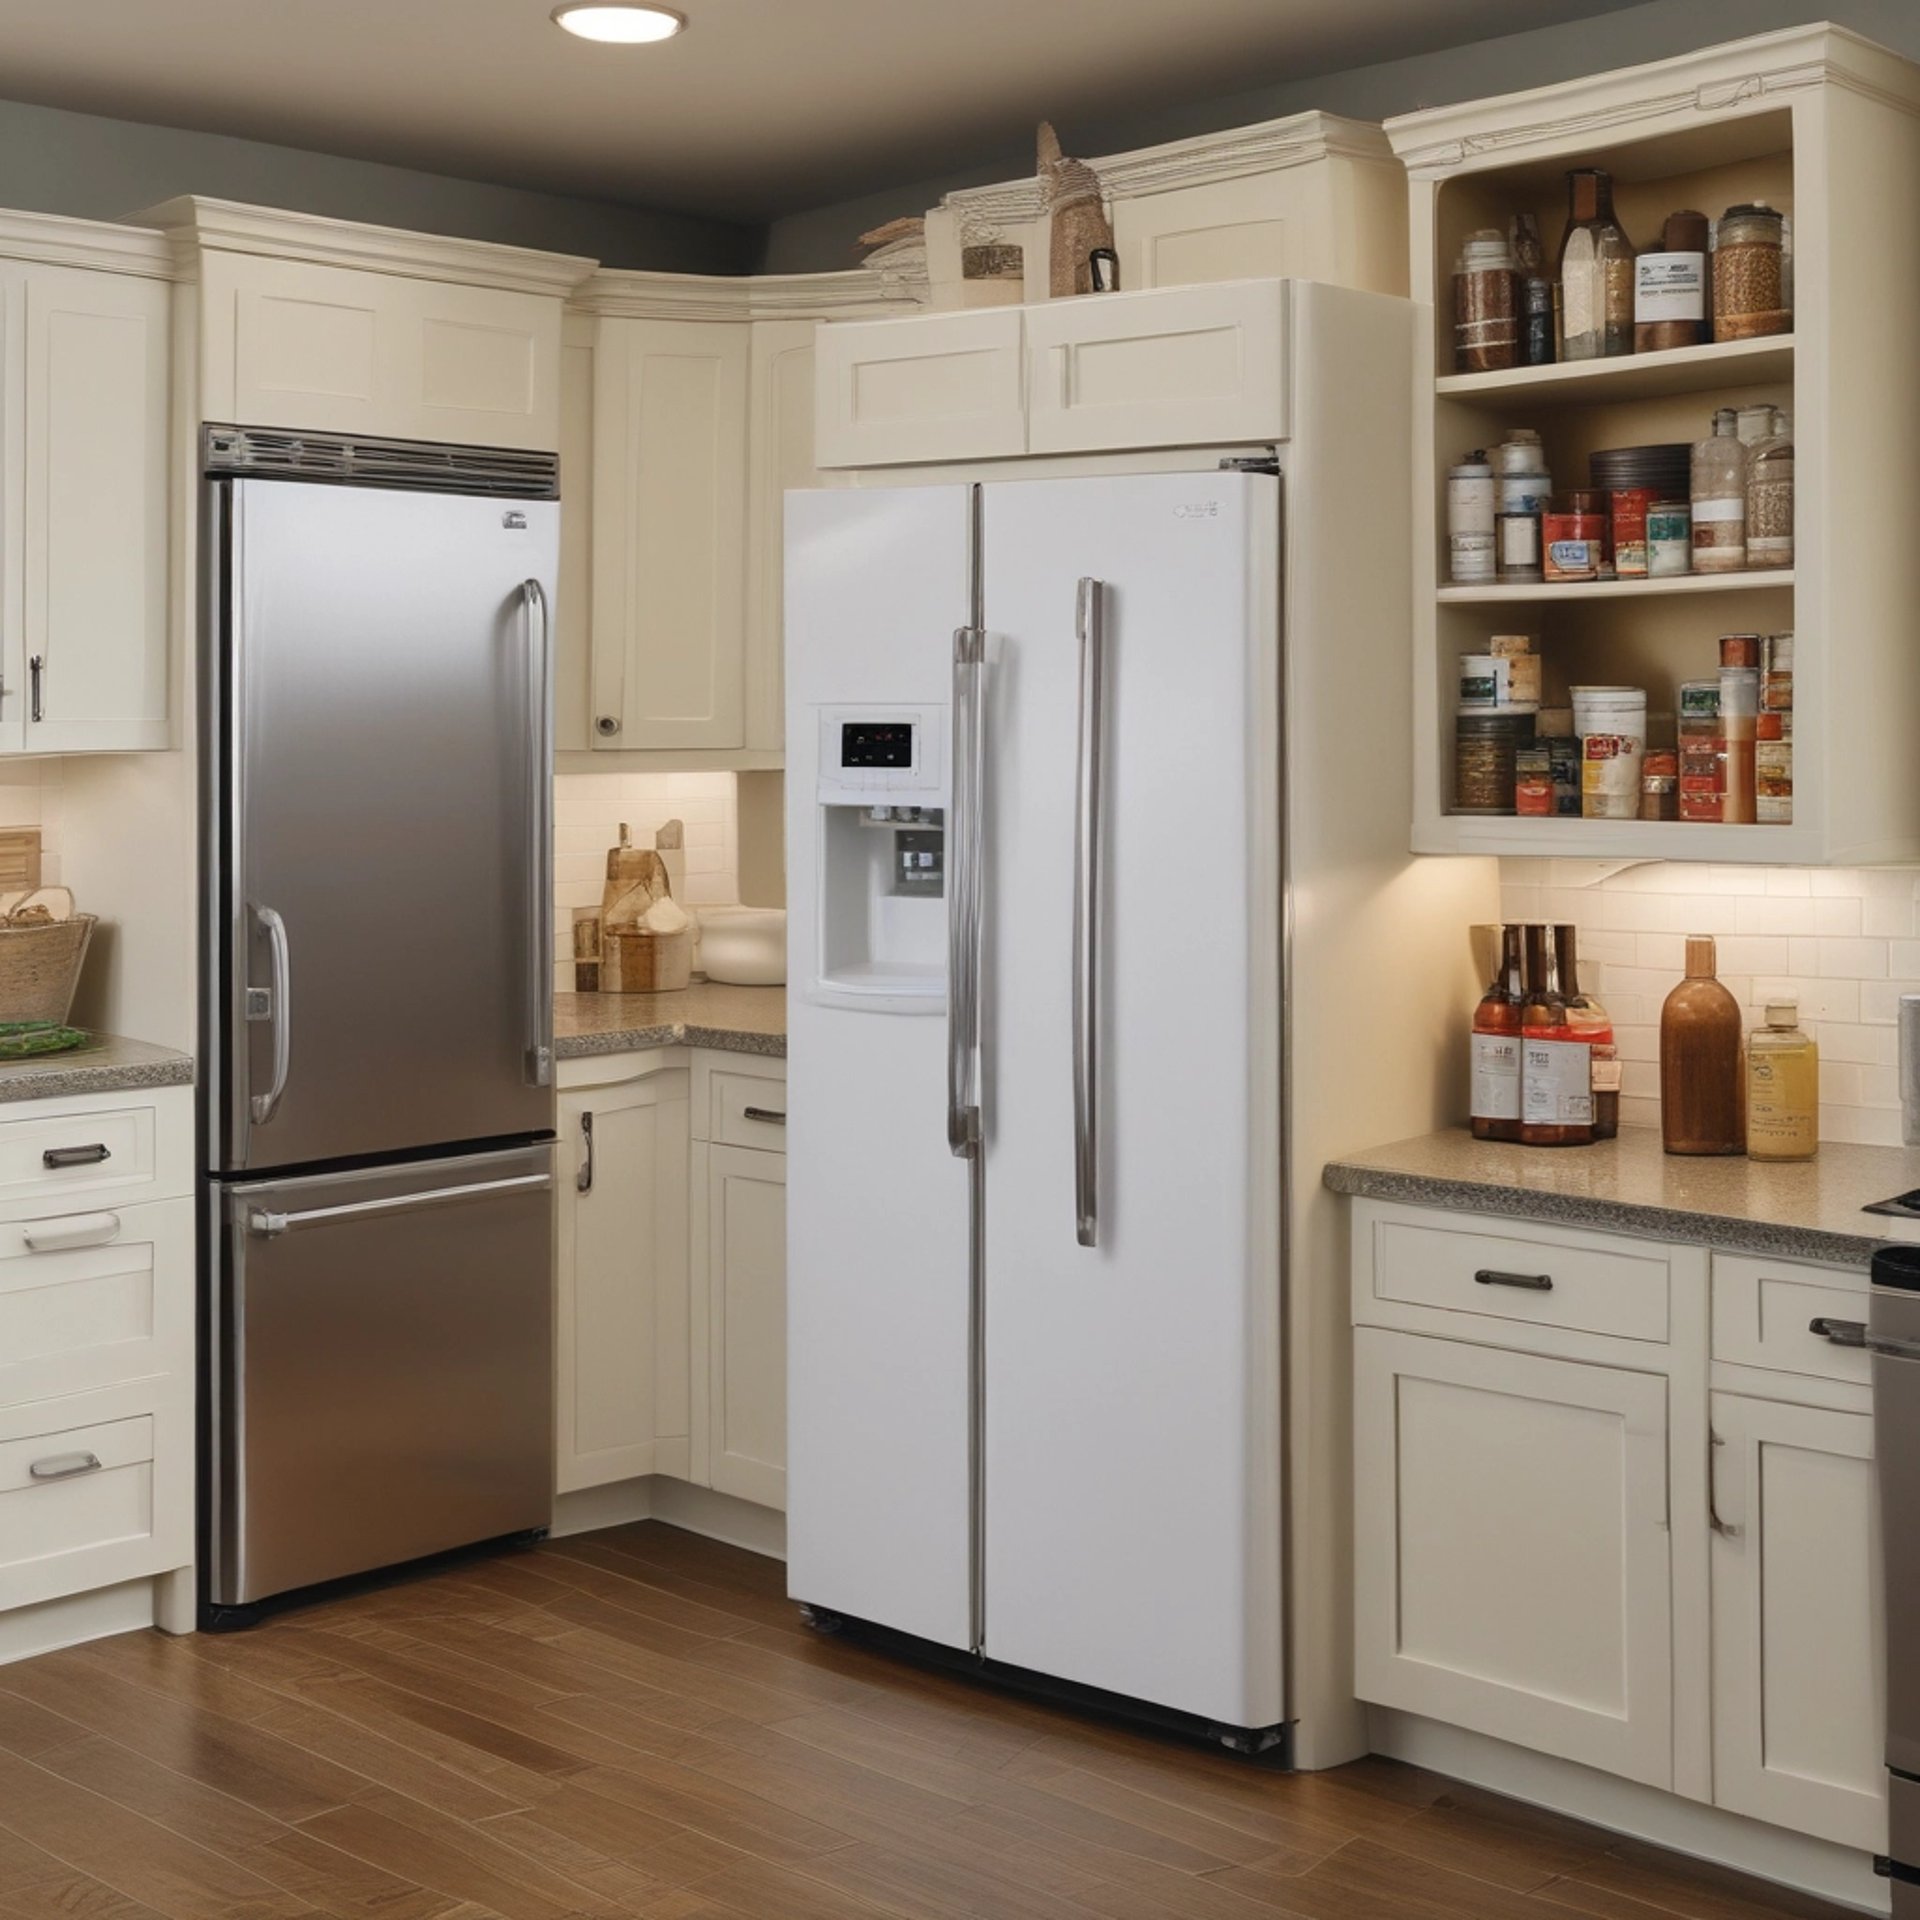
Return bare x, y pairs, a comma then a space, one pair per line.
1538, 344
1702, 1085
1770, 497
1556, 1067
1590, 1022
1494, 1105
1783, 1087
1596, 272
1720, 498
1670, 287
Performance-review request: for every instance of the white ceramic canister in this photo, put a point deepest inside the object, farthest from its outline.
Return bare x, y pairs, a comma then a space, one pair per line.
1470, 521
1612, 725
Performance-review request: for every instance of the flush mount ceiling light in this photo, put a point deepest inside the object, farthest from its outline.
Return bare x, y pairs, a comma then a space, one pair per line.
618, 23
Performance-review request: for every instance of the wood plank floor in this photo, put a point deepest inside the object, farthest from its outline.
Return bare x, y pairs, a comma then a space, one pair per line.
633, 1723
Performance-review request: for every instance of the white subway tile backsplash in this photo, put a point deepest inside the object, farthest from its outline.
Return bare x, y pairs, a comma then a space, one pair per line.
1844, 942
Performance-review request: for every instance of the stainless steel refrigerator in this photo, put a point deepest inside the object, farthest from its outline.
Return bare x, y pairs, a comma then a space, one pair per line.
378, 1088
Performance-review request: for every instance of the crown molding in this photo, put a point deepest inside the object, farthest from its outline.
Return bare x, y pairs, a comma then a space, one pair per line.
1268, 146
198, 226
622, 294
1734, 79
50, 239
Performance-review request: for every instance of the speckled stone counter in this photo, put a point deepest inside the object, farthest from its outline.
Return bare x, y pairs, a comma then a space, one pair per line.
732, 1019
107, 1064
1810, 1210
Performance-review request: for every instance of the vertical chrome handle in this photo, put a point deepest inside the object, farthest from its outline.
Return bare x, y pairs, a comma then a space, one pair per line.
281, 1003
963, 894
583, 1180
1725, 1529
1090, 620
36, 671
533, 599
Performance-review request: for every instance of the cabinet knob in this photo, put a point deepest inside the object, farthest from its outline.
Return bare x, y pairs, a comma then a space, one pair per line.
607, 725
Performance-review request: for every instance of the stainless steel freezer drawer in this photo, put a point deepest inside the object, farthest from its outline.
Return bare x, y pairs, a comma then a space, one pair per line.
384, 1367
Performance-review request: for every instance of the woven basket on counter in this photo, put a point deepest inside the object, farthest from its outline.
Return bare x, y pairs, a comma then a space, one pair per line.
40, 961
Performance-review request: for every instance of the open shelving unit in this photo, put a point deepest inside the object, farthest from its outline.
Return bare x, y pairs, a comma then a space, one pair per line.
1825, 126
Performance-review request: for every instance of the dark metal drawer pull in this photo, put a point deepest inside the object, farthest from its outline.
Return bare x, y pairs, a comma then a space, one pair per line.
89, 1156
767, 1114
1532, 1282
1843, 1333
64, 1466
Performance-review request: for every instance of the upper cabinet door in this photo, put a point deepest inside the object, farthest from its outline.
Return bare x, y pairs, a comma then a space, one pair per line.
669, 534
780, 456
93, 530
945, 386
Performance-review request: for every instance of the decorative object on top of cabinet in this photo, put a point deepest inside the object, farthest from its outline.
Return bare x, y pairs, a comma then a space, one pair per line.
897, 252
1702, 1088
1812, 122
1596, 272
1077, 218
43, 946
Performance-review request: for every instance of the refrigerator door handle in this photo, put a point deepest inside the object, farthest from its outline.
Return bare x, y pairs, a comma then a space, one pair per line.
1090, 620
271, 1225
539, 1070
279, 1011
963, 896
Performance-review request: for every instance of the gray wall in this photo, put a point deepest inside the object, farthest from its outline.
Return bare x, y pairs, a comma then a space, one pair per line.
825, 237
52, 161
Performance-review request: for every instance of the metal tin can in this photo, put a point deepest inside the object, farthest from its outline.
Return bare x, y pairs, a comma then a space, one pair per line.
1484, 746
1630, 508
1669, 538
1739, 650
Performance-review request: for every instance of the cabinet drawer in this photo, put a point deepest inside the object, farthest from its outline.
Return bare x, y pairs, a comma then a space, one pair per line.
747, 1110
1762, 1310
95, 1299
67, 1159
1164, 368
946, 386
111, 1501
1484, 1271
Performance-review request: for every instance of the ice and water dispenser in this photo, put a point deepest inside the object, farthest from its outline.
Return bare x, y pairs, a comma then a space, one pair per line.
882, 857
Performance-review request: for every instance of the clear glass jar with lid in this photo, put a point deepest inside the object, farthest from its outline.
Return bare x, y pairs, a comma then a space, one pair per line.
1720, 498
1770, 497
1749, 273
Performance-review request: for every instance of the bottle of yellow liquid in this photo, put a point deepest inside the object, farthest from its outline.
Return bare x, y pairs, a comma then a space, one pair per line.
1783, 1087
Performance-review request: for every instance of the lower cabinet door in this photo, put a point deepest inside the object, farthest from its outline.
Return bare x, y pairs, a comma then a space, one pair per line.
1799, 1675
740, 1230
622, 1388
1512, 1555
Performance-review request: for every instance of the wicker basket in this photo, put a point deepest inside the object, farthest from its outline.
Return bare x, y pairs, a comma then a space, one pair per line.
40, 963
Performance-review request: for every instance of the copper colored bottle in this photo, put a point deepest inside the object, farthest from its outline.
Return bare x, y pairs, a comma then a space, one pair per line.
1556, 1068
1495, 1101
1592, 1023
1702, 1089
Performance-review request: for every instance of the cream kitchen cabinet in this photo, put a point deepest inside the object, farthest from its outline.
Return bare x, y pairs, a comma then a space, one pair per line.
85, 402
622, 1333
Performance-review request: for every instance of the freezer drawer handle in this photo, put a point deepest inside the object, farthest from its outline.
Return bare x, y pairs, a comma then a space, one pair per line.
90, 1155
1090, 617
1843, 1333
1532, 1282
64, 1466
80, 1230
533, 599
772, 1116
264, 1104
271, 1225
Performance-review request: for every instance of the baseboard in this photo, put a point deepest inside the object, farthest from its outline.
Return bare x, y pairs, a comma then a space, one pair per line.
1626, 1807
719, 1516
52, 1624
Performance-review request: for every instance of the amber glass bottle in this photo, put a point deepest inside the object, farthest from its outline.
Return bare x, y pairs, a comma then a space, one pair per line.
1590, 1022
1702, 1089
1495, 1103
1556, 1069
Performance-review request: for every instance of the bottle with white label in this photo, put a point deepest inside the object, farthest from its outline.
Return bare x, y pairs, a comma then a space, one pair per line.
1720, 498
1494, 1106
1670, 288
1556, 1064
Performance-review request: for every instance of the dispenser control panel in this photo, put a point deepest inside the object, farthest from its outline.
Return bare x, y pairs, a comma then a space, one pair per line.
868, 752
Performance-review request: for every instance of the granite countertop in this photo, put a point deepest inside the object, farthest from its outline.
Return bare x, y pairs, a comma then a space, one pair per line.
1805, 1210
107, 1064
732, 1019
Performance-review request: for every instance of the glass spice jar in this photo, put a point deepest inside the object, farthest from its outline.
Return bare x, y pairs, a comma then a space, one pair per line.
1770, 497
1749, 277
1486, 305
1596, 272
1720, 499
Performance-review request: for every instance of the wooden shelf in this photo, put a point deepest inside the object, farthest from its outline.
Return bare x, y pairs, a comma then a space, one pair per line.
1771, 580
1620, 840
1638, 376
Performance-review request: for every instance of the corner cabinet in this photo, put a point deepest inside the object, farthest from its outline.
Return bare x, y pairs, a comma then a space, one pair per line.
1614, 1503
85, 409
696, 417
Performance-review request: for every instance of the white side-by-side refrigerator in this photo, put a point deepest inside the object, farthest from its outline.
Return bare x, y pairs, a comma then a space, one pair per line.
1104, 939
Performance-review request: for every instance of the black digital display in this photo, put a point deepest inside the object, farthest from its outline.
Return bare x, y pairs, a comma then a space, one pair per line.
876, 743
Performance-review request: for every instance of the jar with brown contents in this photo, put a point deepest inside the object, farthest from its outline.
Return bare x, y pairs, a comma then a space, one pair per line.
1749, 274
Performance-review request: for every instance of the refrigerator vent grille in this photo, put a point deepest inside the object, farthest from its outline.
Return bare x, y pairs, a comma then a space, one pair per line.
356, 460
